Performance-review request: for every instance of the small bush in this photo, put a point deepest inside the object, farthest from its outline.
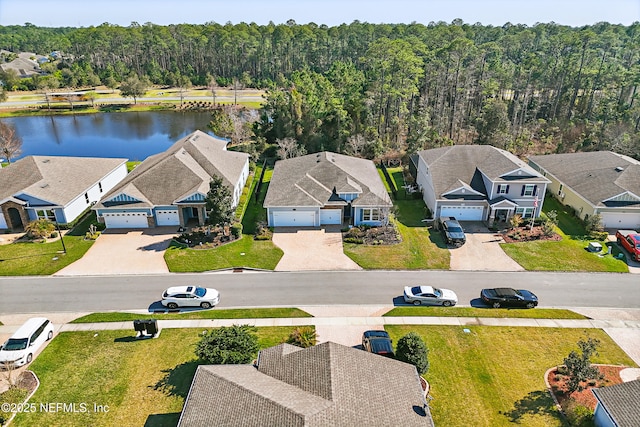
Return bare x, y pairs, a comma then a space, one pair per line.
598, 235
356, 240
412, 349
230, 345
303, 336
578, 415
236, 230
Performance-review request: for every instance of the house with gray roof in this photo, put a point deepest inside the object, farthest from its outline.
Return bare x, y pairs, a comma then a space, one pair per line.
326, 188
618, 405
170, 188
478, 183
54, 187
325, 385
26, 64
597, 182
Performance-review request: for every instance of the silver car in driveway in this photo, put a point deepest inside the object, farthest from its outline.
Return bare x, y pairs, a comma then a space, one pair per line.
428, 295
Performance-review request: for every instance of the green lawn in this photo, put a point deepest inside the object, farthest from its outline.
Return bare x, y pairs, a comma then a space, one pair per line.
249, 313
41, 259
569, 254
494, 376
538, 313
245, 252
421, 247
143, 383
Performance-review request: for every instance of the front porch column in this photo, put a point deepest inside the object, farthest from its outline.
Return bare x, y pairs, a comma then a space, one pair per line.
201, 215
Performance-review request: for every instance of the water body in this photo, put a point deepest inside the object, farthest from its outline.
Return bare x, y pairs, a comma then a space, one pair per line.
131, 135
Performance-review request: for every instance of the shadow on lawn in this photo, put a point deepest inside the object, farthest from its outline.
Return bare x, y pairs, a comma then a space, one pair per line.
177, 381
162, 420
535, 403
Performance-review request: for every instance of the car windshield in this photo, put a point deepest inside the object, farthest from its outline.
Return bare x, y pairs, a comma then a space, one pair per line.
454, 229
200, 292
15, 344
437, 292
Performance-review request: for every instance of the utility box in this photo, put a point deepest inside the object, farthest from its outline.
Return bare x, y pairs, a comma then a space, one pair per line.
146, 328
152, 326
139, 326
594, 247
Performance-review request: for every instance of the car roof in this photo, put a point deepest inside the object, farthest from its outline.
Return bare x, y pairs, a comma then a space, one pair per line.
180, 289
28, 327
505, 291
426, 289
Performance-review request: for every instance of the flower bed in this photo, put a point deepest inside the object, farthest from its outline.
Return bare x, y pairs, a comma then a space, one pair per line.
528, 234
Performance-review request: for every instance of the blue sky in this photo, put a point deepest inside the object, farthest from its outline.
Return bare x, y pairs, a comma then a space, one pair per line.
84, 13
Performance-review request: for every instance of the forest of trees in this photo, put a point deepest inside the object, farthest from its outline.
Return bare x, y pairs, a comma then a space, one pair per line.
378, 89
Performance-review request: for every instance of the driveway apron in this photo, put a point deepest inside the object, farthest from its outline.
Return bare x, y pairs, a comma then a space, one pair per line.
124, 252
481, 252
311, 249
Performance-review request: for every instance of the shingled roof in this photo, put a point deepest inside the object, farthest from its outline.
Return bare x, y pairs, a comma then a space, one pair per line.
596, 176
183, 169
54, 179
621, 402
328, 384
310, 180
458, 165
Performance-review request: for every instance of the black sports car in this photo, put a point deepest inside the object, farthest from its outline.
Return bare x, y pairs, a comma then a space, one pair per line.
377, 342
452, 231
507, 297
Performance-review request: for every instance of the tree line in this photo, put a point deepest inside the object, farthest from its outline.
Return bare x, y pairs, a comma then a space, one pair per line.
378, 89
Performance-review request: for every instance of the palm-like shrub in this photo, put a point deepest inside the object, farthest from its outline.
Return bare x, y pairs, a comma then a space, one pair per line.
40, 228
304, 336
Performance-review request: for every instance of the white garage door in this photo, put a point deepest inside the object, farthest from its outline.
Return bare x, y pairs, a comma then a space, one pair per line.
330, 216
167, 218
126, 220
463, 213
294, 218
620, 220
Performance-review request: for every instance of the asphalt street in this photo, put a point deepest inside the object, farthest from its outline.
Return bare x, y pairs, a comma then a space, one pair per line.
264, 289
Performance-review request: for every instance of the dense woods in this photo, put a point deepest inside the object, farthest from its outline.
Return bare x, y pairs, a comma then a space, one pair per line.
378, 89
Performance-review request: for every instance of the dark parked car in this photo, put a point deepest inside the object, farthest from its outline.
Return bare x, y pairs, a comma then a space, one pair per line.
377, 342
452, 231
507, 297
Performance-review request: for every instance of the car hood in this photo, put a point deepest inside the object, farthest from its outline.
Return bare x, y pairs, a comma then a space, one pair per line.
449, 294
211, 294
10, 356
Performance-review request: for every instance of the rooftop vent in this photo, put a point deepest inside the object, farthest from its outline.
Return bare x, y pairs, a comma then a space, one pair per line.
619, 169
45, 161
45, 185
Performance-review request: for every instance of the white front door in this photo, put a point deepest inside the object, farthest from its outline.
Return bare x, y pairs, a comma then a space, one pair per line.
126, 220
463, 213
167, 217
620, 220
330, 216
294, 219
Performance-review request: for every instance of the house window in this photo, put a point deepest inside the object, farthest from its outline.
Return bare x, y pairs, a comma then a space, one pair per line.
503, 188
529, 190
46, 214
525, 212
86, 197
100, 186
560, 190
371, 214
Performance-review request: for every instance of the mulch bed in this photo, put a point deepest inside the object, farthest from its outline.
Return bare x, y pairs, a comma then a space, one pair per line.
527, 234
27, 380
611, 376
374, 235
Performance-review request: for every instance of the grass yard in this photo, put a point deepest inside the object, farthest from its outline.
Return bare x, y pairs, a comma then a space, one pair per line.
421, 247
42, 259
238, 313
569, 254
143, 383
538, 313
494, 376
246, 252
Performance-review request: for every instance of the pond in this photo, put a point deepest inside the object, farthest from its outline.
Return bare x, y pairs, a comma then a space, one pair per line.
131, 135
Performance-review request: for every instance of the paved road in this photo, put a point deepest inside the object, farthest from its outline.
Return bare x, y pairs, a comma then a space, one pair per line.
79, 294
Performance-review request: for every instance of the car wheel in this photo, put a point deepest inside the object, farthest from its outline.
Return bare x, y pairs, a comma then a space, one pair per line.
447, 303
416, 303
29, 357
496, 305
172, 305
530, 305
205, 305
50, 335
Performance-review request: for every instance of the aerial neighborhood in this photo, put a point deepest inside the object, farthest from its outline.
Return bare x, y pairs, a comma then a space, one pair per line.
301, 225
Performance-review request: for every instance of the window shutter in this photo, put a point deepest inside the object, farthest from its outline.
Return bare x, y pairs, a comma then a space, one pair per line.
522, 192
507, 192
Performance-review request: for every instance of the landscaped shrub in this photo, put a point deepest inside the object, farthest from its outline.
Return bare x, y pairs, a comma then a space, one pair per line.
578, 415
412, 349
598, 235
356, 240
236, 230
229, 345
303, 336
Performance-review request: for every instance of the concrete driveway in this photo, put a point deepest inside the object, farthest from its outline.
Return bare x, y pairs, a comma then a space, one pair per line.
311, 249
124, 252
482, 251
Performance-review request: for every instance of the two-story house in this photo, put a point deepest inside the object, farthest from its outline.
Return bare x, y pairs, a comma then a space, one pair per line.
478, 183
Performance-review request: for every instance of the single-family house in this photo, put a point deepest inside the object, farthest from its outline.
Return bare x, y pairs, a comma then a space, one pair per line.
478, 183
170, 188
597, 182
54, 187
618, 405
326, 188
325, 385
26, 64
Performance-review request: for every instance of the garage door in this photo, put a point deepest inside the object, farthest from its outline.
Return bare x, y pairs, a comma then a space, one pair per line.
126, 220
330, 216
620, 220
167, 218
294, 218
463, 213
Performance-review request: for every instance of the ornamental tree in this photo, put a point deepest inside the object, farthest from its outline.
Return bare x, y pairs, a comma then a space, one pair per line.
579, 368
219, 202
412, 349
229, 345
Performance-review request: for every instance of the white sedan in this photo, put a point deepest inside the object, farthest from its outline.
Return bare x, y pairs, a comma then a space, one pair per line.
190, 296
429, 295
